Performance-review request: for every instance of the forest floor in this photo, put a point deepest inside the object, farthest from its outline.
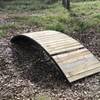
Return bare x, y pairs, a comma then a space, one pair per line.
27, 75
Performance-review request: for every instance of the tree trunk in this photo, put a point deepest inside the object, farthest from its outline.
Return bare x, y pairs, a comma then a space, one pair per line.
66, 4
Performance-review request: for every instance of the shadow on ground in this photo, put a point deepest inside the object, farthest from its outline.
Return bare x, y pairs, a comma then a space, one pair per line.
34, 64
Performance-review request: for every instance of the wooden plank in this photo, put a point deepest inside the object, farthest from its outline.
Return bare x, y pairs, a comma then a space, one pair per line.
53, 35
56, 43
65, 49
54, 40
48, 36
72, 58
62, 46
61, 42
85, 74
41, 33
84, 68
78, 66
76, 63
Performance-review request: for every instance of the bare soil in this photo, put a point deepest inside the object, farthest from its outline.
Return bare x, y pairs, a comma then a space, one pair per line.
28, 74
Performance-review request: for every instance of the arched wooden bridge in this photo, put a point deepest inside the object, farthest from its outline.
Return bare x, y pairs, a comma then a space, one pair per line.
71, 57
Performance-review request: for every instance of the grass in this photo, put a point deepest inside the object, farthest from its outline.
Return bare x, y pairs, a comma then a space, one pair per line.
43, 97
83, 16
22, 5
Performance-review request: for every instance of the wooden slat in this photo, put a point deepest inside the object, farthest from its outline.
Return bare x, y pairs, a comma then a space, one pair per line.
76, 63
41, 33
61, 42
70, 57
61, 45
51, 36
73, 58
65, 49
85, 74
55, 42
79, 66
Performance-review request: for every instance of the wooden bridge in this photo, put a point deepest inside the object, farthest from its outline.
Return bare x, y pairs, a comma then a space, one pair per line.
71, 57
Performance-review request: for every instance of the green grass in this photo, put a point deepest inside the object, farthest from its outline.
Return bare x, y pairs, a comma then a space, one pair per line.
27, 5
82, 0
22, 5
83, 16
43, 97
4, 28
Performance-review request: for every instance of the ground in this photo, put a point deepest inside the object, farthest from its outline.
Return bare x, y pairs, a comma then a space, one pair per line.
27, 74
